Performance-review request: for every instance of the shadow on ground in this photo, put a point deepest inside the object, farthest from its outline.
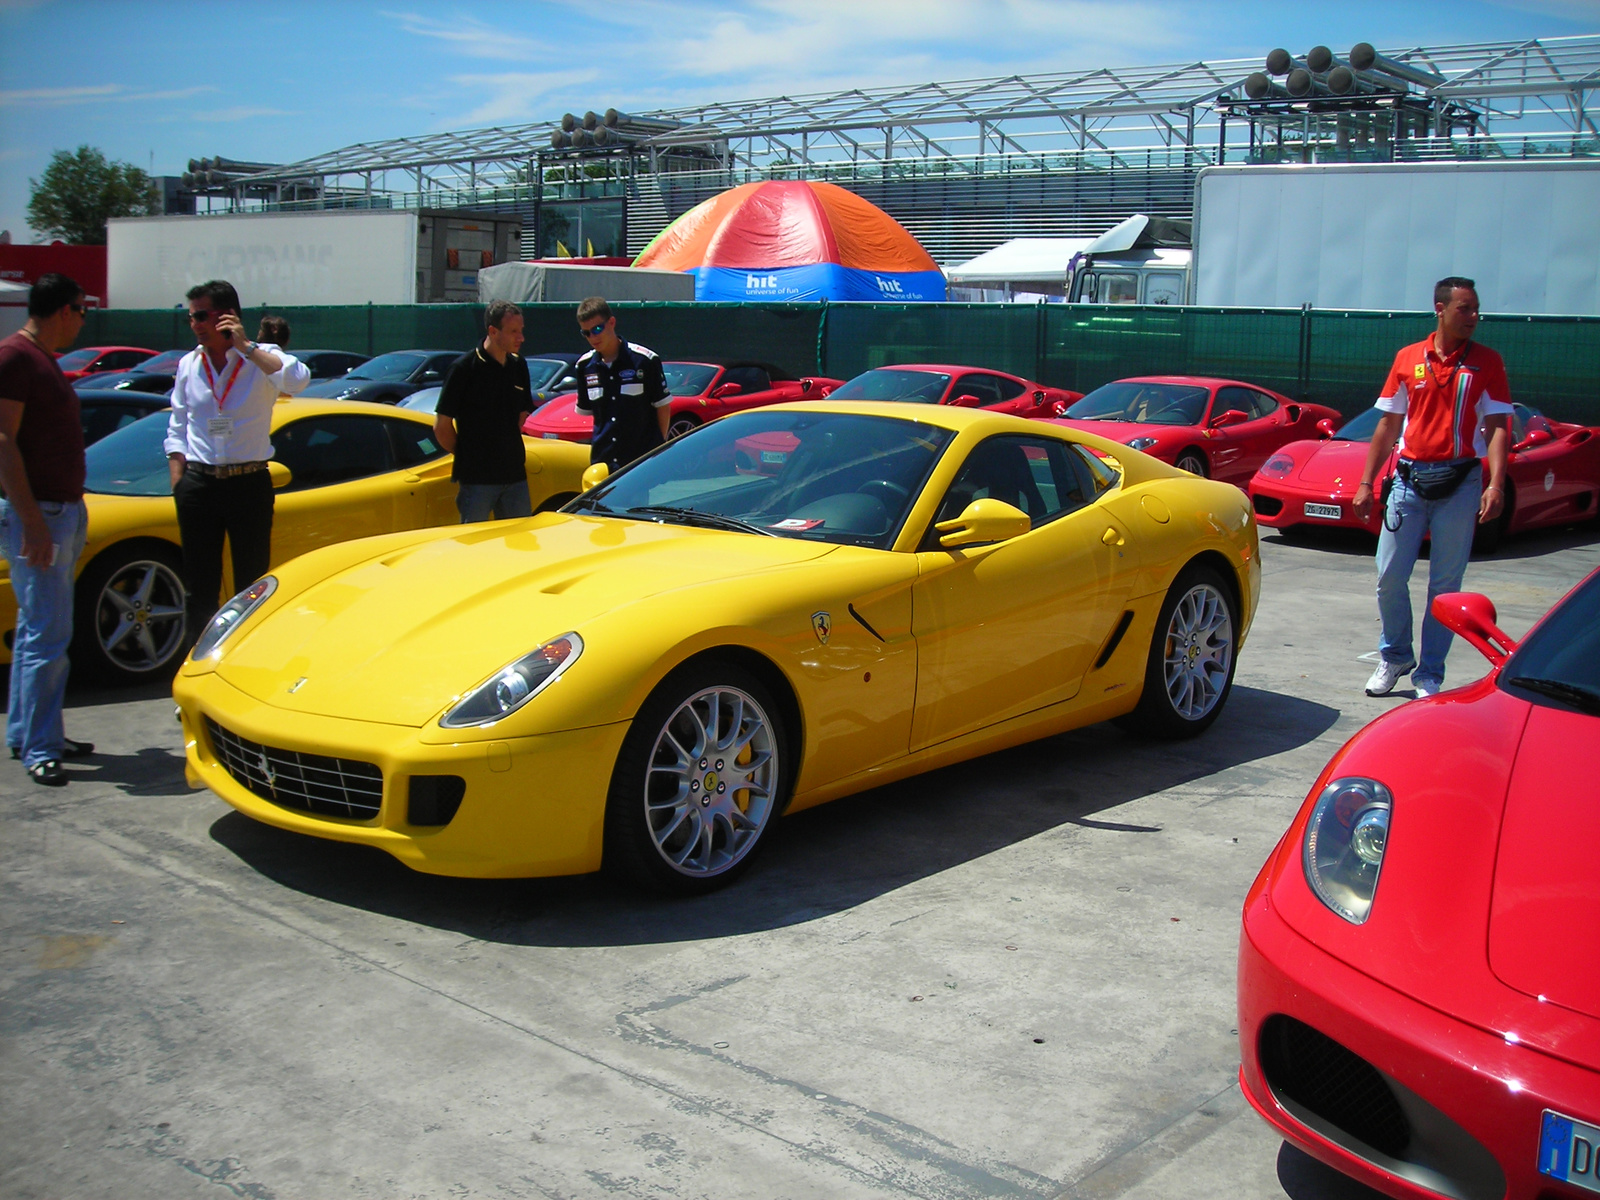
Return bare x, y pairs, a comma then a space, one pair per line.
825, 859
1357, 543
1306, 1178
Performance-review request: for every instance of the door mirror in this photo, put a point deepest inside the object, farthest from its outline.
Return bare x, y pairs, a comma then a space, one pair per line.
566, 383
1232, 417
981, 522
967, 400
280, 475
1326, 427
1536, 437
595, 474
722, 391
1473, 616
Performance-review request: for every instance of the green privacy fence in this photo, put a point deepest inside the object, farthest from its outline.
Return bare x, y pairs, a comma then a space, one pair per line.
1331, 357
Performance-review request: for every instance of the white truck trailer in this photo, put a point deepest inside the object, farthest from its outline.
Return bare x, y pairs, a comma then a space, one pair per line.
1378, 236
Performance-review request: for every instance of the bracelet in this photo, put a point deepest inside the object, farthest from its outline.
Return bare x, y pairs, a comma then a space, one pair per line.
1495, 488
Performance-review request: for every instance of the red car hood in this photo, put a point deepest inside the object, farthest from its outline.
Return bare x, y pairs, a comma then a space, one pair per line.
1333, 466
1126, 431
559, 414
1544, 926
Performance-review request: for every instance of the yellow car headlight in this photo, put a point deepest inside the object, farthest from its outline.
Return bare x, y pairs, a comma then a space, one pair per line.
513, 686
232, 615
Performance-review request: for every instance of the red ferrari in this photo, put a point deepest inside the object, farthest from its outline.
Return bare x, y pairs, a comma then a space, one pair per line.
1219, 428
1553, 477
700, 392
1419, 967
966, 387
91, 360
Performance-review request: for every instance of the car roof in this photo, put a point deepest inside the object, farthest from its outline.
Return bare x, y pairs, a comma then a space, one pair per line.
942, 368
290, 408
111, 396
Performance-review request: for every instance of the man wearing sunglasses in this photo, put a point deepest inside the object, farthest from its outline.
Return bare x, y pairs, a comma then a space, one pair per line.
42, 521
218, 445
622, 386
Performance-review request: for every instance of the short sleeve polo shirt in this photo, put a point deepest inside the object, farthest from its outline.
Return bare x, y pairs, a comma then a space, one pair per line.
486, 401
1445, 399
50, 438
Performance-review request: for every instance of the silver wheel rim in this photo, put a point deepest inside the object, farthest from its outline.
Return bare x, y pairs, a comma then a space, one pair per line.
1193, 464
139, 616
681, 426
1199, 652
712, 781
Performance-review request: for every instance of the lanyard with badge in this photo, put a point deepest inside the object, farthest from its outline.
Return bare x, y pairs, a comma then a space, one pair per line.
220, 427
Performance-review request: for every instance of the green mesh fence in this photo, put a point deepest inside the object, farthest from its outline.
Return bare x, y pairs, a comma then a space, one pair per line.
1336, 358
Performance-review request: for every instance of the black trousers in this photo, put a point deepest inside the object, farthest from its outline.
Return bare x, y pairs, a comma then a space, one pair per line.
238, 508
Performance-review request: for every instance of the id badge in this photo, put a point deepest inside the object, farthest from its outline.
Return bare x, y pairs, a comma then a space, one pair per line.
220, 428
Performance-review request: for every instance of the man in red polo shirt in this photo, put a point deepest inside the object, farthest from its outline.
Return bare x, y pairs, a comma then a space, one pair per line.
1448, 403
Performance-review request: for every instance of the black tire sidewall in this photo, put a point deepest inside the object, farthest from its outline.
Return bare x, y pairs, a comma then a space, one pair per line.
1154, 715
86, 652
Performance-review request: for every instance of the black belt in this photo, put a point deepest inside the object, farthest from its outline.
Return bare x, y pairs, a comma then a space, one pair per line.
226, 470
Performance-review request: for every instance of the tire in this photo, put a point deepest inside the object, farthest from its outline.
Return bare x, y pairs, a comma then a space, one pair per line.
551, 503
1193, 653
128, 621
1193, 462
674, 822
681, 425
1486, 539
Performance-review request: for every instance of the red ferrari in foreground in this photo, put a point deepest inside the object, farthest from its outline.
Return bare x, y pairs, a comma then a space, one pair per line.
1219, 428
700, 392
1419, 968
1553, 478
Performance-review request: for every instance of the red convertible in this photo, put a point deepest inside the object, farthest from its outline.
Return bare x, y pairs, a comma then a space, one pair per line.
1419, 966
1219, 428
700, 393
965, 387
1552, 478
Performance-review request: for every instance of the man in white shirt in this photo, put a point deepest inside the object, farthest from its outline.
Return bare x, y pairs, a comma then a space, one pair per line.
218, 445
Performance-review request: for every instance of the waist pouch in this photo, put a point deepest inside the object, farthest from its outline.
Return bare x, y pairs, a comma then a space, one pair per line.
1435, 480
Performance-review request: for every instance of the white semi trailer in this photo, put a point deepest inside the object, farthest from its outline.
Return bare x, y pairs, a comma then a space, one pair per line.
1378, 236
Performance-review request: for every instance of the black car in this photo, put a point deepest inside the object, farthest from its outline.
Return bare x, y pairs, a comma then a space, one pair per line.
149, 382
106, 412
388, 377
329, 364
551, 374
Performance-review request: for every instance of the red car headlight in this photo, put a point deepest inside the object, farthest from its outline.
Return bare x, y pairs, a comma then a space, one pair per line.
1278, 466
1344, 844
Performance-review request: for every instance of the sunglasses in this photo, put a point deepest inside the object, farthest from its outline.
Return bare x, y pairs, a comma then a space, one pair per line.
80, 309
201, 315
596, 331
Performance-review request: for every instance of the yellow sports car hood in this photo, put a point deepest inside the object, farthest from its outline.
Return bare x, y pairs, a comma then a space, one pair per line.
396, 637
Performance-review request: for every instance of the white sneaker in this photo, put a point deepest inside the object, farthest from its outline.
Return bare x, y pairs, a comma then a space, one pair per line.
1386, 676
1425, 688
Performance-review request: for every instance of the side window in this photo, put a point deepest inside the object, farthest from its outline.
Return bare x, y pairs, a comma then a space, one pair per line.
121, 360
1163, 287
981, 386
1240, 398
323, 450
749, 379
413, 442
1116, 289
436, 369
1006, 389
1033, 474
1266, 406
1096, 476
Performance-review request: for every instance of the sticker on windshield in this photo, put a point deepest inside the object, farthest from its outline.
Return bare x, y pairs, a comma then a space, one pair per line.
798, 523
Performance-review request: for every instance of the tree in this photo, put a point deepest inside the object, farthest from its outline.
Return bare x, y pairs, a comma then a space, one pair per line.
81, 190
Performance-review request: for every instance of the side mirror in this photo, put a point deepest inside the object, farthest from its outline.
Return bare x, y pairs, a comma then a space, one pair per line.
725, 390
595, 474
280, 475
1473, 617
967, 400
1326, 427
565, 384
1232, 417
1536, 437
981, 522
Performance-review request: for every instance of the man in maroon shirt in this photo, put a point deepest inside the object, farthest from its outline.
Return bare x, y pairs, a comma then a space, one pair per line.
42, 521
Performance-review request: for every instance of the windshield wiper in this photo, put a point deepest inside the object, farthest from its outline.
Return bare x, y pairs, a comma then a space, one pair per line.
1575, 694
693, 516
590, 504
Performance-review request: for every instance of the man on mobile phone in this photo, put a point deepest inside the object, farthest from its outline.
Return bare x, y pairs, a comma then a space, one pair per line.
218, 445
42, 522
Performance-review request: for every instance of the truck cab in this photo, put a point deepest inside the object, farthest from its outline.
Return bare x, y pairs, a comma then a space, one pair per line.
1143, 260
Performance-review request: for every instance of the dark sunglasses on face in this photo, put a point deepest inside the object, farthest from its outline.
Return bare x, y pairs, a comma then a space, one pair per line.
596, 331
201, 315
80, 309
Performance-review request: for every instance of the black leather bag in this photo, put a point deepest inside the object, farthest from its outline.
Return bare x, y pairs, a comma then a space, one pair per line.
1436, 481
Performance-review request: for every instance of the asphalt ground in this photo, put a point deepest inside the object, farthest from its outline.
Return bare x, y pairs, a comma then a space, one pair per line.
1010, 978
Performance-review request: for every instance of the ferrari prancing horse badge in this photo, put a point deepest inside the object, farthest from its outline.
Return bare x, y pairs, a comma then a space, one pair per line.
822, 626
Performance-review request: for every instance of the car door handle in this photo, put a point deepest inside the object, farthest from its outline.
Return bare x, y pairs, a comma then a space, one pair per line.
409, 478
1111, 537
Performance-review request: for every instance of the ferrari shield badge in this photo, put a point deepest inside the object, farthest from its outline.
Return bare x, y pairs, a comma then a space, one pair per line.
822, 626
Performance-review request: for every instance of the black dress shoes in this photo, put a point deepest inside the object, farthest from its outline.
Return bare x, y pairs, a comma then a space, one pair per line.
48, 772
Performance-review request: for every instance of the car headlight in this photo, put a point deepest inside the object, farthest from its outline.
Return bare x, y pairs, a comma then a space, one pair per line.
1344, 844
232, 615
1142, 443
510, 688
1277, 466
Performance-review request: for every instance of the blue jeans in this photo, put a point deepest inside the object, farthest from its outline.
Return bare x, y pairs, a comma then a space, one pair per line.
476, 501
44, 629
1449, 525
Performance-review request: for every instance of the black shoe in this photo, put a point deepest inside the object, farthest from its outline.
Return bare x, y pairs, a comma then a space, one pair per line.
69, 749
48, 772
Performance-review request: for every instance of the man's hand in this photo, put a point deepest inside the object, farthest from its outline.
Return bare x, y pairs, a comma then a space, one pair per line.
1361, 506
1490, 504
228, 323
38, 548
175, 467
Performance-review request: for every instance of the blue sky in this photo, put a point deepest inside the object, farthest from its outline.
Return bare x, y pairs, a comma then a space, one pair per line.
157, 82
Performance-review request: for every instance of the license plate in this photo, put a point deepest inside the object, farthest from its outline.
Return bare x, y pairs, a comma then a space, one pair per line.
1569, 1150
773, 456
1330, 512
554, 437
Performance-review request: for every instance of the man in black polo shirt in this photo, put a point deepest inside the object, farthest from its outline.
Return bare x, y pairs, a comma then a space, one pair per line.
622, 386
479, 418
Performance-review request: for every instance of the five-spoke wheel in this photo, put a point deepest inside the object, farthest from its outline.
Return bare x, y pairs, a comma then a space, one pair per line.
129, 623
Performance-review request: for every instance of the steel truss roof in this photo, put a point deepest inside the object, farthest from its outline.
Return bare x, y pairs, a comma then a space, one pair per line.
1538, 86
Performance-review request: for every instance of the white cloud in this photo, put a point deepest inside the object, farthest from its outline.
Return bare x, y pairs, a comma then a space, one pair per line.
516, 97
106, 93
239, 113
474, 38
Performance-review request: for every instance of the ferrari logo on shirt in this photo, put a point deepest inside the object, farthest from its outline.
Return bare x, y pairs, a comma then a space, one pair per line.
822, 626
1421, 371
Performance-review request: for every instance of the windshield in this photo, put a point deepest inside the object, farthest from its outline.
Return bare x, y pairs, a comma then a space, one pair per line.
542, 372
131, 462
1560, 660
423, 400
1360, 427
77, 360
688, 379
826, 477
165, 363
1143, 403
915, 387
388, 367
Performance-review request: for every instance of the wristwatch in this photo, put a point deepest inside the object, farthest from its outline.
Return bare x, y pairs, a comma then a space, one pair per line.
250, 348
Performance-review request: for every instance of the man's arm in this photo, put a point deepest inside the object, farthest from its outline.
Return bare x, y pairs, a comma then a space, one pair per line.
177, 443
444, 428
1383, 440
1494, 494
36, 545
656, 392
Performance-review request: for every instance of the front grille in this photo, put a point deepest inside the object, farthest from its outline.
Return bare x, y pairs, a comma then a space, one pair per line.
330, 787
1267, 506
1333, 1082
